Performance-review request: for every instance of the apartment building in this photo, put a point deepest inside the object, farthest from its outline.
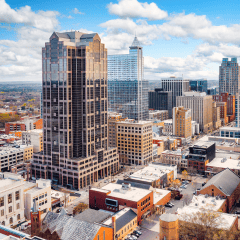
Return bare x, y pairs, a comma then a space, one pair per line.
134, 142
38, 194
158, 114
223, 112
201, 108
182, 122
11, 199
168, 127
34, 138
216, 116
75, 122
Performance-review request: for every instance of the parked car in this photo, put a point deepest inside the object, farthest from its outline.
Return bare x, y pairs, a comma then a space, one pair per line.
171, 203
134, 237
178, 197
58, 210
203, 184
137, 232
237, 212
168, 205
183, 186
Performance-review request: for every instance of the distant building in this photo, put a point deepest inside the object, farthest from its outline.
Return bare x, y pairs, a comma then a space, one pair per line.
201, 108
200, 154
175, 85
229, 76
212, 91
161, 100
232, 132
34, 138
223, 112
199, 85
182, 122
237, 110
168, 127
216, 116
127, 89
158, 114
169, 227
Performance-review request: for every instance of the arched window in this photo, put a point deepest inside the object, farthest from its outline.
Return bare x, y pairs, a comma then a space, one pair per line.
3, 223
18, 217
11, 220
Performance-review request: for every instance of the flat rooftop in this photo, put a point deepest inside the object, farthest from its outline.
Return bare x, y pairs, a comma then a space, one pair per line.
159, 194
236, 129
132, 194
225, 163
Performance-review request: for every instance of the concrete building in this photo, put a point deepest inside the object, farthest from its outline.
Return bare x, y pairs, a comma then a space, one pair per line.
11, 199
195, 128
174, 158
75, 130
216, 116
175, 85
160, 100
39, 194
168, 127
113, 118
182, 122
127, 89
230, 100
158, 114
229, 76
223, 112
231, 132
34, 138
201, 106
134, 142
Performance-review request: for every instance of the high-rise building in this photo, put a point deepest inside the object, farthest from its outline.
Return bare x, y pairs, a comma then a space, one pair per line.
223, 112
199, 85
229, 76
127, 89
216, 116
75, 123
201, 106
175, 85
237, 110
160, 100
182, 126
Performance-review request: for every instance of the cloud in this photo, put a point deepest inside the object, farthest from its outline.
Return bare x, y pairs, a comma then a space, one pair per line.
76, 11
42, 19
135, 9
20, 59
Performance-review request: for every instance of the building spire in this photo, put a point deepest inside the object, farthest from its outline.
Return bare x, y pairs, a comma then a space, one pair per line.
136, 43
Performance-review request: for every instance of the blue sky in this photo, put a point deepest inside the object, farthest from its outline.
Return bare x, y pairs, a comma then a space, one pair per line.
186, 38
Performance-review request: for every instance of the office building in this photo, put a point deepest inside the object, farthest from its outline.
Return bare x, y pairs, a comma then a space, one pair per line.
216, 116
230, 132
182, 122
160, 100
127, 89
201, 108
200, 154
212, 91
230, 100
11, 199
75, 131
34, 138
134, 141
229, 76
199, 85
175, 85
158, 115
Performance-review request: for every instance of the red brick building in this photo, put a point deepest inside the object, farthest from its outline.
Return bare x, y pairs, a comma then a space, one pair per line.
13, 126
225, 184
113, 197
223, 112
38, 124
230, 101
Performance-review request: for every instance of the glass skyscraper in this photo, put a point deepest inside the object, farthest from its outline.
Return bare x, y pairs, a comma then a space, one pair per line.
199, 85
127, 89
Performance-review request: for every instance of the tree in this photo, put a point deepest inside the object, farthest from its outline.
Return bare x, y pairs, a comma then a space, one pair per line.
80, 208
186, 199
176, 183
184, 174
204, 225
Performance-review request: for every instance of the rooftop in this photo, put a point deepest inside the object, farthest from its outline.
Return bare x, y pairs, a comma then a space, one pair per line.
236, 129
91, 216
225, 163
131, 193
159, 194
168, 217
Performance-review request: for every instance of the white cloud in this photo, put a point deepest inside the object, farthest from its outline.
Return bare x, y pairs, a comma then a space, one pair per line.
76, 11
135, 9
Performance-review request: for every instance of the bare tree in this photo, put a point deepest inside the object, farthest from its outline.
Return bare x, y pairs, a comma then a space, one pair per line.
186, 199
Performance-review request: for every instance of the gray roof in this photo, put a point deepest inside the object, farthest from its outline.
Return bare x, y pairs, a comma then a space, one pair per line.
125, 218
69, 228
91, 216
168, 217
134, 184
226, 181
62, 35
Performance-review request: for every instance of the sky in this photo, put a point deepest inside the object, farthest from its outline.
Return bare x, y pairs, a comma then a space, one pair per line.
179, 37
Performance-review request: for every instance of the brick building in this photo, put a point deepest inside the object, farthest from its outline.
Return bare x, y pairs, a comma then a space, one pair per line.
225, 184
200, 155
12, 126
223, 112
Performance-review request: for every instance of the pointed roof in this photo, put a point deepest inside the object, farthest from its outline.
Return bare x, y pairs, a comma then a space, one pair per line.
226, 181
136, 43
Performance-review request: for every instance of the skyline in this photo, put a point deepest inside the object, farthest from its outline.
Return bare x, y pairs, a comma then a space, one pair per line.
177, 38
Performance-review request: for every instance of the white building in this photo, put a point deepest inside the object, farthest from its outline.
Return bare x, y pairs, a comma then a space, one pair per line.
11, 199
39, 193
35, 138
168, 127
232, 132
195, 128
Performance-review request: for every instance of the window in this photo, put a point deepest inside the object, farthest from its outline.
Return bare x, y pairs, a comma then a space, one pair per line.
10, 209
17, 195
9, 198
18, 217
2, 212
18, 205
3, 223
1, 201
11, 220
